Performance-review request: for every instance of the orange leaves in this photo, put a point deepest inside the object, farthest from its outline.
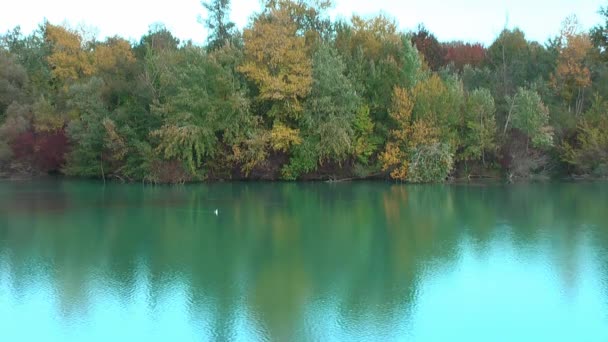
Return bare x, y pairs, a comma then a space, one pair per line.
572, 74
394, 157
410, 132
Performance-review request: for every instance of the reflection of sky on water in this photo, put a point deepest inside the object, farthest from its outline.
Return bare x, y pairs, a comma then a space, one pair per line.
510, 295
363, 262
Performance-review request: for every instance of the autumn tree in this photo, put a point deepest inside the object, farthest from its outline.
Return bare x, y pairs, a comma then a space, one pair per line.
299, 96
439, 103
461, 54
428, 45
280, 66
395, 157
310, 17
378, 59
415, 151
115, 63
572, 76
70, 57
33, 132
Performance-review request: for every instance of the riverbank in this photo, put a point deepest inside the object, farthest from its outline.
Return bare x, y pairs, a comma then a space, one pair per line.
462, 179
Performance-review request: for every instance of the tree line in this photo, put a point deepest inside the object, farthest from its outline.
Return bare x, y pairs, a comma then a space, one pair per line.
296, 95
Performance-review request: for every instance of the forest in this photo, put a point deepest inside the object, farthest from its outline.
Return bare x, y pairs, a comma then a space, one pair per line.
297, 96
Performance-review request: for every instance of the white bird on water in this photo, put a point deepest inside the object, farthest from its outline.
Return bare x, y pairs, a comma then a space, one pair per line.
217, 212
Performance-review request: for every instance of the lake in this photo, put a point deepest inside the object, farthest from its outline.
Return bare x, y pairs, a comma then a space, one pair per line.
370, 261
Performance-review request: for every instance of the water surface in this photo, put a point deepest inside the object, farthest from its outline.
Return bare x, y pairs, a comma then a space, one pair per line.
80, 261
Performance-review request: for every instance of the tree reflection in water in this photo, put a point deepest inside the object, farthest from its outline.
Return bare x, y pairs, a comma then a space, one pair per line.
370, 261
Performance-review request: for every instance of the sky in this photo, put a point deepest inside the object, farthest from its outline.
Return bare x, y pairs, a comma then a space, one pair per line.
466, 20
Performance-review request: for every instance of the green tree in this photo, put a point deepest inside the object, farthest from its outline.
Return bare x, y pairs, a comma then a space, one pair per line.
588, 153
221, 29
430, 163
207, 109
31, 53
531, 117
599, 35
329, 115
88, 156
378, 58
366, 143
158, 38
478, 126
13, 82
517, 62
439, 103
509, 57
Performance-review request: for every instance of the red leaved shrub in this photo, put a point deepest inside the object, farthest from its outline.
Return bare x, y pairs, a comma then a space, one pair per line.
44, 152
462, 54
24, 146
51, 148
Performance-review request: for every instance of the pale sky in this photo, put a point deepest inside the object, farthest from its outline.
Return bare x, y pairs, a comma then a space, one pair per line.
468, 20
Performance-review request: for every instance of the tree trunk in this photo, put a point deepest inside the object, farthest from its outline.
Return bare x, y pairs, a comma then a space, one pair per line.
103, 175
509, 116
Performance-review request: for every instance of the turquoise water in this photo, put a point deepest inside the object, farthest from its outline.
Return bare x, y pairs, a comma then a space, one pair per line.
80, 261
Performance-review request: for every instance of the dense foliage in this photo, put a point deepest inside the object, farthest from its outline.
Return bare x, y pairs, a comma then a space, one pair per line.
296, 96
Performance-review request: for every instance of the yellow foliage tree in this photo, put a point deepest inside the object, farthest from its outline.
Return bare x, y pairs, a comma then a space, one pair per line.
372, 34
68, 59
283, 137
115, 51
409, 135
276, 60
394, 157
252, 152
572, 76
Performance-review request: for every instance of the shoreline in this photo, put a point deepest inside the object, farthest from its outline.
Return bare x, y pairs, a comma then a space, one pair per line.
453, 181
